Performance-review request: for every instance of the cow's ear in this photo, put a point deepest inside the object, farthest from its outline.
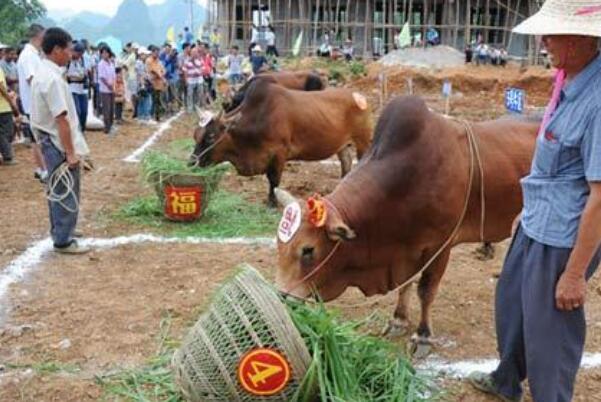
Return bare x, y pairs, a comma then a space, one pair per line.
341, 232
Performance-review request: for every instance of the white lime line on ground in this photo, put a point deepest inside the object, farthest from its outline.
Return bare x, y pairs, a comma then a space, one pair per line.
166, 125
18, 269
463, 368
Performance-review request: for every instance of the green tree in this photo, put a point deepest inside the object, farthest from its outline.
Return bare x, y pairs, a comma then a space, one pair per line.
16, 15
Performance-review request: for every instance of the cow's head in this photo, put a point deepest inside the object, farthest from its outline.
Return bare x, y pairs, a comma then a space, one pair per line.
310, 240
210, 136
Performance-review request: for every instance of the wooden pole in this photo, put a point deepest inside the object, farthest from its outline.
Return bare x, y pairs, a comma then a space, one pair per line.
515, 21
365, 38
468, 21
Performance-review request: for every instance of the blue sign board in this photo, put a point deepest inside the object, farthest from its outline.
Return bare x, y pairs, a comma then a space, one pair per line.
515, 100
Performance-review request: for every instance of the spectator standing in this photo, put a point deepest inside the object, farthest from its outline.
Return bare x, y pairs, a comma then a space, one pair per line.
119, 93
144, 88
78, 79
216, 42
208, 72
156, 72
8, 109
188, 36
194, 81
182, 59
482, 51
234, 66
106, 80
54, 118
469, 54
9, 67
131, 83
254, 39
503, 56
172, 76
258, 61
27, 66
272, 50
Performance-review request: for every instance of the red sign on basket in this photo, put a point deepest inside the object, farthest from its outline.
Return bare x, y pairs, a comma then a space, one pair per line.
183, 203
263, 372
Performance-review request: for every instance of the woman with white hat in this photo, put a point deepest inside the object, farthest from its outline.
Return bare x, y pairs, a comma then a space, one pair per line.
540, 295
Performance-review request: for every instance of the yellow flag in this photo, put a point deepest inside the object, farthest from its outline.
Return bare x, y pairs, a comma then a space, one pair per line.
171, 35
405, 36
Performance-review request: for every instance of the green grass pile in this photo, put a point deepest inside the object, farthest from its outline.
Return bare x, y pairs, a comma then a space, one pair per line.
160, 166
350, 366
227, 215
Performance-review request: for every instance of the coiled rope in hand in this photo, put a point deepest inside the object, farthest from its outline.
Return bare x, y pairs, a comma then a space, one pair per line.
62, 176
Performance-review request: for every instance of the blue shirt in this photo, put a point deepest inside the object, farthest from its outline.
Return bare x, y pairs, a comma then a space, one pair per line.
567, 158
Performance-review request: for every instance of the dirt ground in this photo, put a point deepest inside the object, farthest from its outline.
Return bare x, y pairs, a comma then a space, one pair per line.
73, 319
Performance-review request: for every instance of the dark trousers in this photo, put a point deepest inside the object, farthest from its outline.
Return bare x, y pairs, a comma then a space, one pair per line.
7, 130
108, 110
272, 51
81, 105
119, 111
96, 101
62, 221
535, 340
157, 104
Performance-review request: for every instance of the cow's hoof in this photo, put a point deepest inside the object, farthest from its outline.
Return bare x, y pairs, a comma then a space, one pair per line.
419, 347
485, 253
396, 328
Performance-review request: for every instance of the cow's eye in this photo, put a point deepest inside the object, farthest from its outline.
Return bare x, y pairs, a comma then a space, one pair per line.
307, 254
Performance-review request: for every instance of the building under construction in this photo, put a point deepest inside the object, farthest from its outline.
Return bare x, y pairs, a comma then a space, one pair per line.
373, 24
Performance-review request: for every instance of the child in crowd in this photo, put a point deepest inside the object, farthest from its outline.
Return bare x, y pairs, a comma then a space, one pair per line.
234, 66
119, 94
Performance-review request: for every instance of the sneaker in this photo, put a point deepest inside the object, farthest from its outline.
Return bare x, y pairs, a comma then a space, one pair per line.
41, 175
73, 248
9, 162
484, 382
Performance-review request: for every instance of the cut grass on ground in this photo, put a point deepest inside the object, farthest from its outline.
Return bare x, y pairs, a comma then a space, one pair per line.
227, 215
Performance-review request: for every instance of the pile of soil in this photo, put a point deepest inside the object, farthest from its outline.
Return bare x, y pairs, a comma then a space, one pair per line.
430, 57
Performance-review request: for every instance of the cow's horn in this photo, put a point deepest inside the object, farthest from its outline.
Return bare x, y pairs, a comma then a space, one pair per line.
284, 197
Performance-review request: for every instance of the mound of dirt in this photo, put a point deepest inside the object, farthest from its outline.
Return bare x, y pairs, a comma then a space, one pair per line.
431, 57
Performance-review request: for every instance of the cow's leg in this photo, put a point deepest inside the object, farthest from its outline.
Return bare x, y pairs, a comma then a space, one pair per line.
485, 252
362, 144
426, 290
346, 160
399, 325
274, 175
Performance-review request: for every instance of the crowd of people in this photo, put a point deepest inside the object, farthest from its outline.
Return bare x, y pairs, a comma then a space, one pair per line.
153, 82
484, 54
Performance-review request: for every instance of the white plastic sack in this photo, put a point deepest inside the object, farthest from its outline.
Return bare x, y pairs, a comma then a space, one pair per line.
93, 123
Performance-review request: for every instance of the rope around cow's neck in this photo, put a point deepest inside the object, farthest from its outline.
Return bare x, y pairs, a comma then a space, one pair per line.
209, 148
475, 156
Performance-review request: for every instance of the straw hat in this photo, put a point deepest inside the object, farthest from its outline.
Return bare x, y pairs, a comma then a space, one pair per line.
257, 48
564, 17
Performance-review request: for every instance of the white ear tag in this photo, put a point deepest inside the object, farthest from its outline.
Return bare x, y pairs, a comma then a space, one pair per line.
290, 223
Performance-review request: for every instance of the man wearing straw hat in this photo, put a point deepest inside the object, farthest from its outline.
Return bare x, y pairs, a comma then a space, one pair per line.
540, 295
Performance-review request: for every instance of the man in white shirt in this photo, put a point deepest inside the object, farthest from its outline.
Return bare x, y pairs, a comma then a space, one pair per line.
55, 123
28, 62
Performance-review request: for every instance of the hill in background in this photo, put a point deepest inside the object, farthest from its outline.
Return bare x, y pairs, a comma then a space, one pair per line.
134, 21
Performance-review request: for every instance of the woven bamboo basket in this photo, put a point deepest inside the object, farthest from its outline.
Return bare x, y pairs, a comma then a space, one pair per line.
246, 315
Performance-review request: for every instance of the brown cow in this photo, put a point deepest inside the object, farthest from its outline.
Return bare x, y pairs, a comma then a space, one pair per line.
395, 210
275, 125
299, 80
